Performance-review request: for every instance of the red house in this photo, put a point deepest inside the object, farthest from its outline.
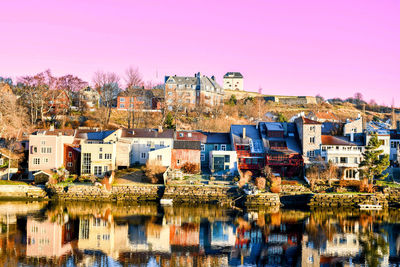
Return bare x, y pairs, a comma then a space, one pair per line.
57, 102
282, 150
185, 152
72, 158
247, 142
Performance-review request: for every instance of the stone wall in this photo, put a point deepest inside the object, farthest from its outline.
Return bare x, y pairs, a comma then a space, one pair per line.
262, 199
201, 193
393, 196
22, 192
347, 200
98, 193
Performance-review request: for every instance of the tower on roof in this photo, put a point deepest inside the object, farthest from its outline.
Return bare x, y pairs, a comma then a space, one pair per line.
233, 81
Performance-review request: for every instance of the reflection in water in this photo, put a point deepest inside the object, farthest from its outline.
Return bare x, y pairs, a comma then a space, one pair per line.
93, 234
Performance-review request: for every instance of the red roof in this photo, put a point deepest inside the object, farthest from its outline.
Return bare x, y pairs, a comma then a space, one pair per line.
336, 141
308, 121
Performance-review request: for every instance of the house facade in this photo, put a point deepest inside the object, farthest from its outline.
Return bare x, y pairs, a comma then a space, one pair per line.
344, 153
98, 152
309, 132
233, 81
247, 142
90, 97
189, 92
283, 151
46, 149
72, 158
185, 152
214, 142
149, 144
394, 146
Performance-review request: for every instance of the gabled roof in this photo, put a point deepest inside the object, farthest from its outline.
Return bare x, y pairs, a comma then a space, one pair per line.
192, 145
233, 75
325, 115
195, 136
252, 138
335, 141
147, 133
307, 121
137, 92
65, 132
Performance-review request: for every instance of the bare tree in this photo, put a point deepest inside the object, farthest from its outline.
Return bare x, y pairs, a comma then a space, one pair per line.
133, 80
13, 117
107, 84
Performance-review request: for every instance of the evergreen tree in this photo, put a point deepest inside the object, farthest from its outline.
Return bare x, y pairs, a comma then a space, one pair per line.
169, 121
374, 163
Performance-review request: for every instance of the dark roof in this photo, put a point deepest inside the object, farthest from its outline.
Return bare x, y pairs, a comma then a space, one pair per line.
67, 132
395, 134
147, 133
137, 92
194, 145
100, 135
217, 138
332, 128
233, 75
308, 121
195, 136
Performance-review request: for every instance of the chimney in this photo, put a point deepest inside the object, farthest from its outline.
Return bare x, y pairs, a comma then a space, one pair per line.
351, 137
51, 128
244, 133
213, 78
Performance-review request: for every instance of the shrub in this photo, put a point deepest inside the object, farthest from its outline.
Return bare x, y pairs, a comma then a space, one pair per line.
286, 182
154, 172
349, 183
275, 184
365, 187
245, 178
261, 183
191, 168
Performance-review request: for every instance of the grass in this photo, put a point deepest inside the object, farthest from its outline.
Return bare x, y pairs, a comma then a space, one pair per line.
6, 182
388, 184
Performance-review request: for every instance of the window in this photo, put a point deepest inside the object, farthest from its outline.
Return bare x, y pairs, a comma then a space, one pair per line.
70, 154
202, 157
178, 162
98, 170
161, 143
105, 168
87, 163
223, 147
311, 154
343, 160
215, 147
312, 140
122, 105
202, 147
312, 128
159, 157
122, 99
227, 158
34, 149
100, 149
36, 161
43, 142
106, 237
45, 150
69, 164
46, 160
142, 155
189, 134
181, 134
107, 156
100, 156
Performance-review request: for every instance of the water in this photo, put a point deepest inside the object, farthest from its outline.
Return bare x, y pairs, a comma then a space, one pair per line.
93, 234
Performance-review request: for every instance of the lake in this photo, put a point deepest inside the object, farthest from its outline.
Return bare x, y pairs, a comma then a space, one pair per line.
105, 234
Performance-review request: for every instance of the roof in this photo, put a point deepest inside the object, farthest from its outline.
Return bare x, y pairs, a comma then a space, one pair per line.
252, 138
65, 132
193, 145
290, 138
325, 115
217, 138
335, 140
274, 126
198, 82
233, 75
195, 136
395, 134
332, 128
147, 133
137, 92
100, 135
307, 121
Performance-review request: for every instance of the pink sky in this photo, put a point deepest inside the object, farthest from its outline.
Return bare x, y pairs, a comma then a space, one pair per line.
332, 48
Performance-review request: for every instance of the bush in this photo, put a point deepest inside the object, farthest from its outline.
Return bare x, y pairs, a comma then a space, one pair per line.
261, 183
366, 187
245, 178
275, 184
286, 182
154, 172
191, 168
349, 183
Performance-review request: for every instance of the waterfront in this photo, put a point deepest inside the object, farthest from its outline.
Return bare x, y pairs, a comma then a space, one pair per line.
106, 234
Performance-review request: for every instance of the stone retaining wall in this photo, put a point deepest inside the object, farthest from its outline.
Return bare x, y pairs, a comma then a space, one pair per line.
392, 195
201, 193
347, 200
98, 193
22, 192
263, 199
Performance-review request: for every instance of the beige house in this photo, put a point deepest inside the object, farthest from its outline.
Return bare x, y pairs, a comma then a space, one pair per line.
310, 138
98, 152
233, 81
